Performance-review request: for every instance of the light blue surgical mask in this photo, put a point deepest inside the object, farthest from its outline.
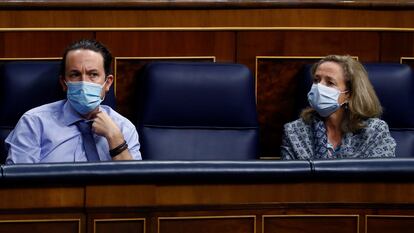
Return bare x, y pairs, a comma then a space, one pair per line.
83, 96
324, 99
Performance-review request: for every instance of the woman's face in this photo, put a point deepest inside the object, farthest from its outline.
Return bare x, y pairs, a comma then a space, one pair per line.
331, 75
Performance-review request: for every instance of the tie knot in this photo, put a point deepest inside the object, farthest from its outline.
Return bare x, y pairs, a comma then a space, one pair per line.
84, 126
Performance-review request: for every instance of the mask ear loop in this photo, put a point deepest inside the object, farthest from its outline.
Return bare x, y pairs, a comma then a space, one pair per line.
103, 85
346, 101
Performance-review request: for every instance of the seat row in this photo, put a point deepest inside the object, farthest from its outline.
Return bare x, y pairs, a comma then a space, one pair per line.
199, 111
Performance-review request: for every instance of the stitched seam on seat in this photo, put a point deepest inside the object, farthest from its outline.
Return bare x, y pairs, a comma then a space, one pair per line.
402, 129
199, 127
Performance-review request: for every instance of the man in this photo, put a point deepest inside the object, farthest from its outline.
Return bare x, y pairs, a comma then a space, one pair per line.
78, 128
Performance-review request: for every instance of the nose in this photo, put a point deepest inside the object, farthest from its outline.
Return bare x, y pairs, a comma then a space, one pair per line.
322, 82
84, 77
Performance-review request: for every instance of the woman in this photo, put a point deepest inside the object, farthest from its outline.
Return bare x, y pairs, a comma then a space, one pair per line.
342, 121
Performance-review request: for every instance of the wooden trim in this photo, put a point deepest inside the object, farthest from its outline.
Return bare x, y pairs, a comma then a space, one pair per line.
78, 220
310, 216
118, 220
207, 217
205, 4
132, 29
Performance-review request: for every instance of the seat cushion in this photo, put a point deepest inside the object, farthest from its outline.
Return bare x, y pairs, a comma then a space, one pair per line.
198, 111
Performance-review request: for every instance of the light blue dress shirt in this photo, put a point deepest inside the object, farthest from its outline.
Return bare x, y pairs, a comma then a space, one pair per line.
47, 134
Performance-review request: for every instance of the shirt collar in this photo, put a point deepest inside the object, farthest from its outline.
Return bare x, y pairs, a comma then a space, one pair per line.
69, 115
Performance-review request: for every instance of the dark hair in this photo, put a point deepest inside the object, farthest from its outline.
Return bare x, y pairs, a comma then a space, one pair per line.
88, 44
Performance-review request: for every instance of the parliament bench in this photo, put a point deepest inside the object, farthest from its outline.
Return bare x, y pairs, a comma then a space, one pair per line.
371, 195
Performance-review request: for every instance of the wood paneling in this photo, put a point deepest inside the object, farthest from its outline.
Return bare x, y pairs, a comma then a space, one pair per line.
212, 224
37, 44
287, 207
279, 97
53, 197
395, 45
41, 226
236, 194
122, 225
280, 17
389, 224
126, 195
205, 4
310, 224
170, 44
250, 44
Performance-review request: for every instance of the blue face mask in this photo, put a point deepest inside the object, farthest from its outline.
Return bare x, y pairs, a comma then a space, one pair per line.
324, 99
84, 97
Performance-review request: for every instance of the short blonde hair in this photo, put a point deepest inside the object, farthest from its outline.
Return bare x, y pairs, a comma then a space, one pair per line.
363, 102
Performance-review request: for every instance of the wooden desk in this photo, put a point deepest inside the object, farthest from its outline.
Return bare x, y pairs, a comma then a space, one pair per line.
269, 199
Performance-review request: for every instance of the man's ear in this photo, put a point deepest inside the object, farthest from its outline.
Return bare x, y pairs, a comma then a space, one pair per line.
109, 81
62, 83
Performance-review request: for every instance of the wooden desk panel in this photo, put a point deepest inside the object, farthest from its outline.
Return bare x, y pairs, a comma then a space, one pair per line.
182, 207
136, 196
41, 198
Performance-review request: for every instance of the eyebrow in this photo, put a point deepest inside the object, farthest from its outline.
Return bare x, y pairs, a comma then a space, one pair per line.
331, 79
88, 71
74, 71
92, 70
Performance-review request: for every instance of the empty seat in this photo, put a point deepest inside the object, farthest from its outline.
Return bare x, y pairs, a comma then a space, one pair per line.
198, 111
394, 85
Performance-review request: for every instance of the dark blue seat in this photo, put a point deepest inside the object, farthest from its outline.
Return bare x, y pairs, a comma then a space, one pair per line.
198, 111
394, 86
25, 85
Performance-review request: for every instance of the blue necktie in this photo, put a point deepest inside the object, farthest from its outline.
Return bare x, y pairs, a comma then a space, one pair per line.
89, 144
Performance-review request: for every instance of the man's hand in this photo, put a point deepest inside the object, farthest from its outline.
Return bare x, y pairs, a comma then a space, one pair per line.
103, 125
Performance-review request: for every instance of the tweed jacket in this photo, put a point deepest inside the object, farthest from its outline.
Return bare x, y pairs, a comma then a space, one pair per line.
372, 141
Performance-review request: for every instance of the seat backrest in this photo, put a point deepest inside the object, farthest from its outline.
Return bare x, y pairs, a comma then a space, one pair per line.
25, 85
198, 111
394, 86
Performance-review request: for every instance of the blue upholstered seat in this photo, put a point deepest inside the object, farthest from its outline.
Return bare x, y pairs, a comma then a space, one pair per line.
394, 86
25, 85
198, 111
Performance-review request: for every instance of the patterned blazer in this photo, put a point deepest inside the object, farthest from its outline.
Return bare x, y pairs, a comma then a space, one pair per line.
372, 141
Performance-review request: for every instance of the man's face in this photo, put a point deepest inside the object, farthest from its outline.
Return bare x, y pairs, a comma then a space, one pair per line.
84, 65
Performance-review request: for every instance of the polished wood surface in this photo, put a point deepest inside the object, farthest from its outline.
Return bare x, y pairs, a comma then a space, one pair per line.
41, 226
214, 194
47, 197
303, 223
37, 44
390, 223
306, 206
216, 4
247, 19
135, 225
208, 224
